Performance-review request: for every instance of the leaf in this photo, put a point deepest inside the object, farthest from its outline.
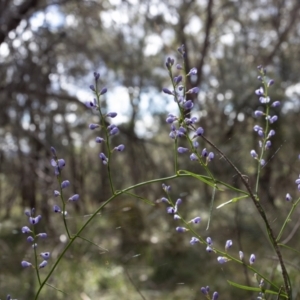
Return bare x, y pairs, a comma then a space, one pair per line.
255, 289
140, 197
233, 200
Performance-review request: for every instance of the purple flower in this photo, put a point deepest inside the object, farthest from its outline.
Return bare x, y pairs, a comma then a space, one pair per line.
120, 148
253, 154
93, 126
91, 104
25, 264
43, 264
99, 139
193, 71
171, 118
74, 197
252, 259
164, 199
258, 113
96, 75
262, 162
166, 188
273, 119
188, 104
61, 163
170, 210
25, 229
114, 131
275, 104
268, 144
112, 114
193, 157
257, 128
259, 92
204, 291
288, 197
181, 229
35, 220
264, 100
199, 131
56, 209
65, 184
182, 150
209, 241
222, 259
178, 67
228, 244
103, 91
215, 296
210, 156
53, 151
42, 235
194, 240
204, 153
271, 82
56, 193
92, 88
170, 62
209, 249
271, 133
178, 202
30, 239
194, 90
167, 91
241, 255
27, 213
177, 79
195, 220
176, 217
103, 158
45, 255
195, 144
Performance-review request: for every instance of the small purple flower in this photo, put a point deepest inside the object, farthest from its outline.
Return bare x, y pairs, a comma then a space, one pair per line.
259, 92
258, 113
171, 118
253, 154
103, 91
194, 90
74, 198
91, 104
42, 235
193, 71
103, 158
45, 255
178, 67
96, 75
176, 217
193, 157
164, 199
257, 128
288, 197
25, 264
222, 259
114, 131
204, 153
112, 114
35, 220
199, 131
241, 255
194, 241
271, 133
27, 213
268, 144
61, 163
56, 209
30, 239
53, 151
271, 82
166, 188
99, 139
56, 193
264, 100
252, 259
275, 104
181, 229
26, 229
297, 181
94, 126
262, 162
273, 119
209, 249
260, 133
210, 156
92, 88
195, 144
182, 150
215, 296
196, 220
167, 91
43, 264
204, 291
209, 241
177, 79
188, 104
65, 184
178, 202
170, 210
228, 244
120, 148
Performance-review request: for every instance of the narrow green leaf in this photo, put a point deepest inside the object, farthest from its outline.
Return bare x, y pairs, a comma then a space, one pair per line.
233, 200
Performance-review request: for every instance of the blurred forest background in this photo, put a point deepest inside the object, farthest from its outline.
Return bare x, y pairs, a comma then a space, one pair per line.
49, 50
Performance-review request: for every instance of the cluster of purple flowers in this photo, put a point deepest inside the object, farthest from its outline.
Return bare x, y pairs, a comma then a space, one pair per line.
110, 129
264, 99
205, 291
185, 124
33, 237
58, 164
